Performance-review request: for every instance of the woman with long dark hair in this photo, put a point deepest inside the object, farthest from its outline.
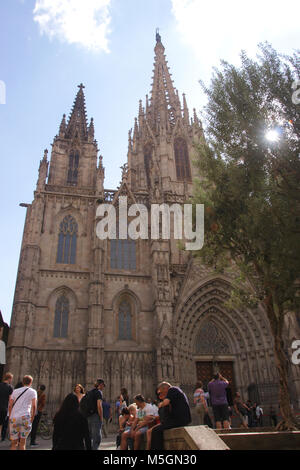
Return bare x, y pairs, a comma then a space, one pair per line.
71, 430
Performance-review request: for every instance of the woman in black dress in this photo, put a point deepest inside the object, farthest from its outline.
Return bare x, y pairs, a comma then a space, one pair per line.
71, 430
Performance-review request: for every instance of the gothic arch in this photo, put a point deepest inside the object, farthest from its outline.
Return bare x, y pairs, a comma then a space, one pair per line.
244, 332
53, 299
182, 162
126, 307
209, 297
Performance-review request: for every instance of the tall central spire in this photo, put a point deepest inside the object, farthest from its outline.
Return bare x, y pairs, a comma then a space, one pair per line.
77, 120
164, 102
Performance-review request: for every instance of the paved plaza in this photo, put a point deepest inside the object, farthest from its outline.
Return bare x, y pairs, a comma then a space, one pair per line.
108, 443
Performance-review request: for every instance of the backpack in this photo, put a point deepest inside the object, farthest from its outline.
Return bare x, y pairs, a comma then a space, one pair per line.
87, 405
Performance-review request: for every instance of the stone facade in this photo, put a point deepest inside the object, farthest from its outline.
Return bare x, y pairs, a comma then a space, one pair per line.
85, 308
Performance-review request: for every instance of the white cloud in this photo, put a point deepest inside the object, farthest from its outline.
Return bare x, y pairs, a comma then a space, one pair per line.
84, 22
220, 29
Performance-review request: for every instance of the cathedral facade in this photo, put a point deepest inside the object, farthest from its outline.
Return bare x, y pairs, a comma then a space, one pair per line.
133, 312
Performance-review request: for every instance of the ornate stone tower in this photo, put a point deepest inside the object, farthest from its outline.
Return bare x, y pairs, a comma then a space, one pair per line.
159, 165
58, 300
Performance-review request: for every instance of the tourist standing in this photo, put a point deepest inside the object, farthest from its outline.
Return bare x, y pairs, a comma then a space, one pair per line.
249, 413
178, 415
95, 418
241, 410
71, 431
79, 392
41, 402
218, 398
5, 391
259, 415
22, 408
200, 402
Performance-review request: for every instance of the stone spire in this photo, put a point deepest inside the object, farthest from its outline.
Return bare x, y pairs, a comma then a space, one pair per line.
77, 124
163, 107
91, 131
43, 172
63, 127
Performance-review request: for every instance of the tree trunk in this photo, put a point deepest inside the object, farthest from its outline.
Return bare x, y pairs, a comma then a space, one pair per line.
289, 422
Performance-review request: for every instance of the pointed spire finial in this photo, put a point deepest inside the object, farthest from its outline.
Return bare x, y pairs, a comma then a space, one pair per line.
158, 36
63, 126
77, 123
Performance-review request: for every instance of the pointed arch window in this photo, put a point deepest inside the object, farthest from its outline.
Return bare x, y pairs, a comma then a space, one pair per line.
61, 318
125, 321
67, 240
183, 171
123, 254
73, 168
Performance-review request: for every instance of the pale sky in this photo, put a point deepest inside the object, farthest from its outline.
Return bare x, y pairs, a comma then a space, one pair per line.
50, 46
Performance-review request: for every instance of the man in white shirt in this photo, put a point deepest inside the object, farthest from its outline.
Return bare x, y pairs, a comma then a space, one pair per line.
144, 416
22, 408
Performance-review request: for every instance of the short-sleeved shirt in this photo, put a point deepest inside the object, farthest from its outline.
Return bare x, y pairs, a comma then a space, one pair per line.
5, 392
106, 409
217, 392
155, 410
198, 394
180, 414
96, 395
146, 411
23, 406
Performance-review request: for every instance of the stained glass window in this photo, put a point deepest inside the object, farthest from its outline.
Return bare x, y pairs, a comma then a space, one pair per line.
61, 317
211, 340
124, 317
123, 254
73, 168
183, 170
67, 239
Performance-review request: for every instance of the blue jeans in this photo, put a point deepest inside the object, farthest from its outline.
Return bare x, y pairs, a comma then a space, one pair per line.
95, 426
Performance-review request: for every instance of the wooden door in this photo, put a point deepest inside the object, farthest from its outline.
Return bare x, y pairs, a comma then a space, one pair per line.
206, 369
204, 372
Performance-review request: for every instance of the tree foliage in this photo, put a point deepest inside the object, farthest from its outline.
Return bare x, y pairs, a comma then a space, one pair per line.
250, 185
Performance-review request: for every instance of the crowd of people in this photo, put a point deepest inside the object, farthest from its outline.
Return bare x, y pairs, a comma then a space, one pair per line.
225, 406
85, 415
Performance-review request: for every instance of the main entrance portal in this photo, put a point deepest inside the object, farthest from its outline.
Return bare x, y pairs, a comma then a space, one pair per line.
206, 369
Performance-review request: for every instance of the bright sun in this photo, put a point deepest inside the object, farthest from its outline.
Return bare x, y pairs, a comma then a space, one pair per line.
272, 135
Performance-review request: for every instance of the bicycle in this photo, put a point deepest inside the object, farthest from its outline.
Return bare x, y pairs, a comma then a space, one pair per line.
45, 427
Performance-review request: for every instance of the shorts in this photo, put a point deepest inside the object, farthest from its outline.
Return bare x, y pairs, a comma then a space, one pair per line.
127, 429
20, 427
143, 430
221, 412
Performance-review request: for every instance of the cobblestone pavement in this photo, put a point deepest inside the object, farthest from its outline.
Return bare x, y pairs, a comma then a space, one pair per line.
108, 443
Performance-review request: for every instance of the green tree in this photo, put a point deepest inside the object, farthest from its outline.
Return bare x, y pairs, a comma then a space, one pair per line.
250, 188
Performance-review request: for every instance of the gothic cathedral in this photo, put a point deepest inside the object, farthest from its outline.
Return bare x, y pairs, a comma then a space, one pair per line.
133, 312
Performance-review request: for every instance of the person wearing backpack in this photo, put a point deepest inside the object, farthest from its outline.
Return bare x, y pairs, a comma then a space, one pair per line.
91, 408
